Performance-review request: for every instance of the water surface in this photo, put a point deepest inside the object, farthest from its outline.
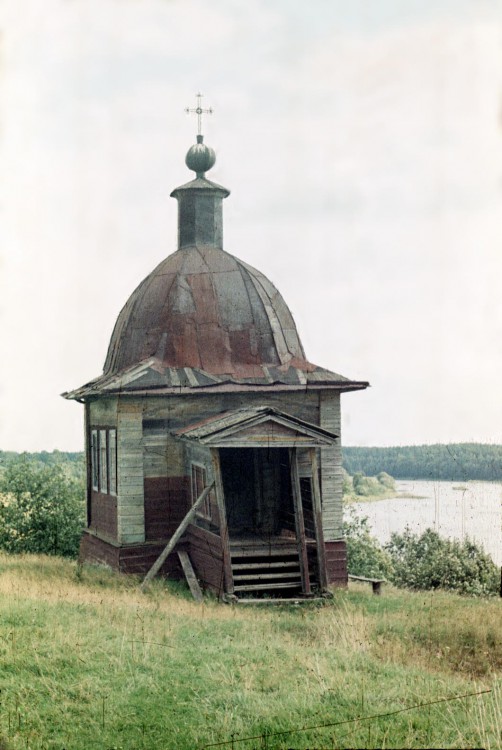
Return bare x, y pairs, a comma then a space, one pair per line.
453, 509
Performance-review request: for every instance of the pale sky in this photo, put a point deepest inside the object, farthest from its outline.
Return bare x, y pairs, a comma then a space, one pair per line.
362, 145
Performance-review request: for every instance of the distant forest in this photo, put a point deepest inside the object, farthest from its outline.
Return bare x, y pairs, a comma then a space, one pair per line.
453, 462
54, 457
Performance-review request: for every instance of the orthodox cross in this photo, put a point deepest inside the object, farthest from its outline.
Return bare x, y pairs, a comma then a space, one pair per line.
199, 111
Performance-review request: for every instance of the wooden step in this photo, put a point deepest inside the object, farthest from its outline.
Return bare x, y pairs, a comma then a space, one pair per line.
263, 552
254, 565
267, 586
267, 576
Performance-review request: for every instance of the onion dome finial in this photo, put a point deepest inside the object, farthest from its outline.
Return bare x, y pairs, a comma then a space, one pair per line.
200, 158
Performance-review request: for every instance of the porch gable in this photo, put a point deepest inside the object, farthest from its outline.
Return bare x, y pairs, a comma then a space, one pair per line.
259, 427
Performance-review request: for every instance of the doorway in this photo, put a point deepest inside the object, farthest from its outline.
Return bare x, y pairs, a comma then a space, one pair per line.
257, 490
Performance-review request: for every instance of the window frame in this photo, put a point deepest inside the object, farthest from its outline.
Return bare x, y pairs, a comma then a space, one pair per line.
204, 511
111, 456
94, 460
103, 461
104, 469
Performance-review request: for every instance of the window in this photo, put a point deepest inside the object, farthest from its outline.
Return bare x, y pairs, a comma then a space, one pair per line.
198, 485
112, 461
104, 461
95, 460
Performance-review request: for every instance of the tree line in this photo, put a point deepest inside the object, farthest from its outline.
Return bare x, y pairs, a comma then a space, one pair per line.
451, 462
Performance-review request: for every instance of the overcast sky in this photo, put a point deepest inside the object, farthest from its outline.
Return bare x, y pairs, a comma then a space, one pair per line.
362, 145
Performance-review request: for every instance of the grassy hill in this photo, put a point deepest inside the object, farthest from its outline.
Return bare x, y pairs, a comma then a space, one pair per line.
87, 661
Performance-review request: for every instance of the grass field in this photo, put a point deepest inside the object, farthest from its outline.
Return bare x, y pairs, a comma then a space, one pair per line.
87, 661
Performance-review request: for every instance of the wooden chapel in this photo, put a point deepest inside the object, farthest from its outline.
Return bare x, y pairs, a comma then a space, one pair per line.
208, 415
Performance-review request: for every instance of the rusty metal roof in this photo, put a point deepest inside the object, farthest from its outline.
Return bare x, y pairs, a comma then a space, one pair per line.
203, 319
203, 308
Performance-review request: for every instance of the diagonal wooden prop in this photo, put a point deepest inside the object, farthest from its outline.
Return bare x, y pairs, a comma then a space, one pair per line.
176, 537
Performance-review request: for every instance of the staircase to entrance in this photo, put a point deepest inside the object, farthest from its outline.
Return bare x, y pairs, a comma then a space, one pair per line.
268, 567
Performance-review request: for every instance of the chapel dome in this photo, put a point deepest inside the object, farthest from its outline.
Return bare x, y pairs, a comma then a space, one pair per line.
203, 318
204, 308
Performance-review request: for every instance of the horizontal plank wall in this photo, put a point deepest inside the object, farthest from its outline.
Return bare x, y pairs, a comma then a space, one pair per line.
181, 411
331, 468
130, 505
103, 516
134, 558
206, 554
167, 501
336, 562
103, 412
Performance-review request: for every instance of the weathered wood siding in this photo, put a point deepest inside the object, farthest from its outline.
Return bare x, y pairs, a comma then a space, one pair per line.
93, 549
131, 497
206, 555
180, 411
154, 469
135, 558
331, 468
167, 501
103, 412
336, 562
103, 518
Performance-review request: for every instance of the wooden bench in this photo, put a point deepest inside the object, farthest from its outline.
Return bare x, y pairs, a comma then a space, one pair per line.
376, 583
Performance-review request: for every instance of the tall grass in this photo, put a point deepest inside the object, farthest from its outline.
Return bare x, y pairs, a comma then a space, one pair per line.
87, 661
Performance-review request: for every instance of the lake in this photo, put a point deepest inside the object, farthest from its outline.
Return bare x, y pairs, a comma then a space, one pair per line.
453, 509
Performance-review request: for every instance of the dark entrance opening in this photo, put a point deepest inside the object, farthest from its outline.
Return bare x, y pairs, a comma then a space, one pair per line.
257, 489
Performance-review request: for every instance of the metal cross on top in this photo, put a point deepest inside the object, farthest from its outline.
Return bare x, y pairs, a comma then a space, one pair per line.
199, 112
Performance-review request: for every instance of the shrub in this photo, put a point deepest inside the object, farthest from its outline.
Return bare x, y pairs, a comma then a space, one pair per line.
386, 480
41, 509
428, 561
362, 484
365, 556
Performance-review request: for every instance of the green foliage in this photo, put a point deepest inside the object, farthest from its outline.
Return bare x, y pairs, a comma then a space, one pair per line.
41, 508
74, 463
428, 561
365, 556
386, 480
346, 483
363, 486
453, 462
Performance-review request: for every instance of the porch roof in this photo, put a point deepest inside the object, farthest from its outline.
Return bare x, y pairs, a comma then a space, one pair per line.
257, 427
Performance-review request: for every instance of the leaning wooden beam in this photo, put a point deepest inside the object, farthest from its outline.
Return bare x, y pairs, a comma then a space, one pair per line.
319, 534
222, 513
176, 537
189, 572
299, 522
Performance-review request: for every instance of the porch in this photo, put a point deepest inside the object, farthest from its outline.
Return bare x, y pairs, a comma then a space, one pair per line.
269, 506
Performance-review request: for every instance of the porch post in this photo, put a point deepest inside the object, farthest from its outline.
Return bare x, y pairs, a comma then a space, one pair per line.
225, 542
299, 522
319, 534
